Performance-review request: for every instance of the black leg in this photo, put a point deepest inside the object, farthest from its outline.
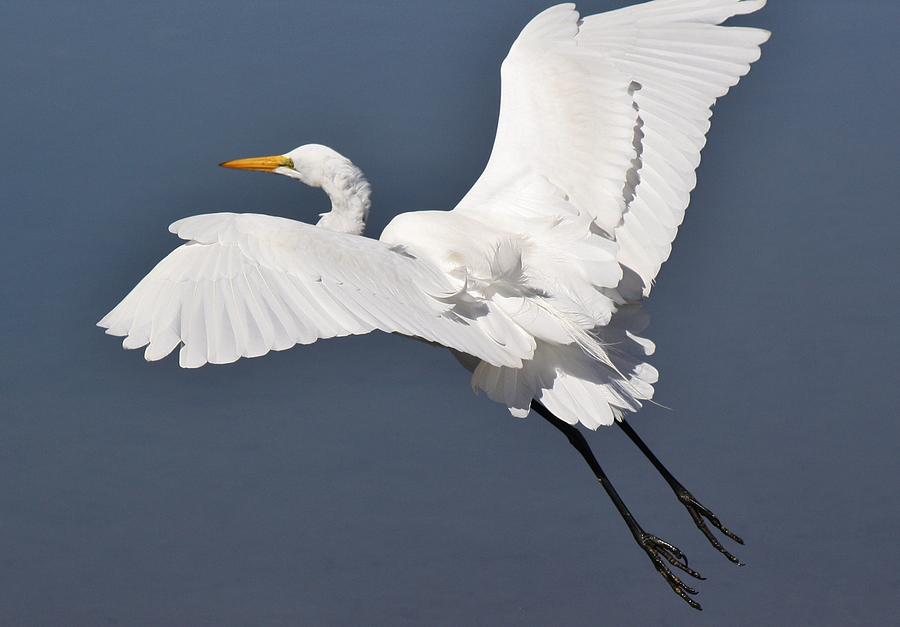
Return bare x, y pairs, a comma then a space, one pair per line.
699, 513
657, 549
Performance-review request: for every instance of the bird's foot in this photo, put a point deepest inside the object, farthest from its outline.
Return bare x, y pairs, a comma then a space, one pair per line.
660, 552
701, 515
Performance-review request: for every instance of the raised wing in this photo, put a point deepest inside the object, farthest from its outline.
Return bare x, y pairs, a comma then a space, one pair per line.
612, 111
564, 119
246, 284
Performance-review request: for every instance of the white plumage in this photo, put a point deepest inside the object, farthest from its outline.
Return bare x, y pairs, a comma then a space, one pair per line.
534, 279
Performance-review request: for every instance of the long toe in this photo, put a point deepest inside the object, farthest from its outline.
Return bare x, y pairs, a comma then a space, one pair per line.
659, 551
703, 517
674, 556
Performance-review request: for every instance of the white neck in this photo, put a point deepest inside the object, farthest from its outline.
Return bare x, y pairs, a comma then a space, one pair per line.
345, 184
349, 192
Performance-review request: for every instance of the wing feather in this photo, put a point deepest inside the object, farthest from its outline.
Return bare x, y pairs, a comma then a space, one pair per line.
602, 121
613, 110
246, 284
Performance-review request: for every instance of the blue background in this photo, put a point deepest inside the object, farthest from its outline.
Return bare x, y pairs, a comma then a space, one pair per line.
359, 481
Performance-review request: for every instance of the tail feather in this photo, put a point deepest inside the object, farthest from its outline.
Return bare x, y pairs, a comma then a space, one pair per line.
571, 383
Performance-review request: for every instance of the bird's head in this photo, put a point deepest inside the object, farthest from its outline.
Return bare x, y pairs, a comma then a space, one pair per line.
320, 166
309, 163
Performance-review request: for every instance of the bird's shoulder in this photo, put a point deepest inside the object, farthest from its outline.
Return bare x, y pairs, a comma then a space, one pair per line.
454, 242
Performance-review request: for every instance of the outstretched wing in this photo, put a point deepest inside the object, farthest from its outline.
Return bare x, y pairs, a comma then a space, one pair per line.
612, 112
245, 284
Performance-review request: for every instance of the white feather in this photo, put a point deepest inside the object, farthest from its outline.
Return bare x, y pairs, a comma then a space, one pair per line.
533, 278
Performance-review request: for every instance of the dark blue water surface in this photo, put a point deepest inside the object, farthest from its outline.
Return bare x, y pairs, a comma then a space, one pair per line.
358, 481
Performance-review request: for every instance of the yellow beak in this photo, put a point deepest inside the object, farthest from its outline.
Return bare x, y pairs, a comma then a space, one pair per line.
260, 164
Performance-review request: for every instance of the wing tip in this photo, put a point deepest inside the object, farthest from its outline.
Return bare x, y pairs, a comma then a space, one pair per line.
107, 321
175, 227
746, 7
185, 361
132, 342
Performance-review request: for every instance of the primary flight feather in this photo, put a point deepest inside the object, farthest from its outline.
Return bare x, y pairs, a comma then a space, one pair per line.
534, 280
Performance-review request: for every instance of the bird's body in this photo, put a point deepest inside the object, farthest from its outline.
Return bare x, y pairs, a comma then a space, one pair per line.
535, 279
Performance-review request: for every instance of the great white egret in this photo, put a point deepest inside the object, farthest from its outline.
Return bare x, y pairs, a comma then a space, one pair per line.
534, 280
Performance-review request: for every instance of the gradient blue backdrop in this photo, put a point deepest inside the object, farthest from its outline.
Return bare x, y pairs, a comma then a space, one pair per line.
359, 481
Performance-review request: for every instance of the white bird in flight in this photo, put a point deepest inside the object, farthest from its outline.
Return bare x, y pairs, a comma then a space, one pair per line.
534, 280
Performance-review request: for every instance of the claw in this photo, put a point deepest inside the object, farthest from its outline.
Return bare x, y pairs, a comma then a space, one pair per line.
657, 549
685, 568
674, 556
698, 513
